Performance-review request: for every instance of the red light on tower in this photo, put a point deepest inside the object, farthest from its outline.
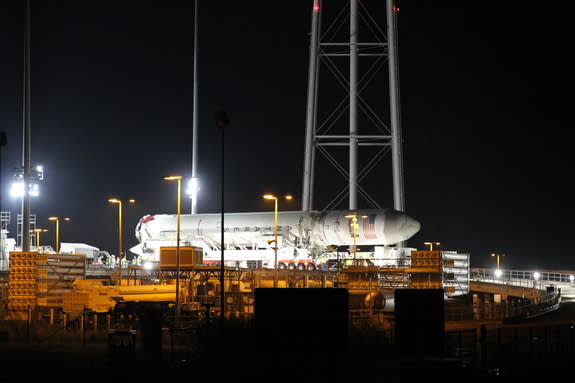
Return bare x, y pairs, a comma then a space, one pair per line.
316, 6
395, 8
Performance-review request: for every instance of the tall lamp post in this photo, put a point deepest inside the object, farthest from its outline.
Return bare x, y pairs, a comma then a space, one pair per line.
430, 244
3, 142
37, 232
275, 199
222, 120
57, 219
179, 179
120, 247
355, 226
497, 255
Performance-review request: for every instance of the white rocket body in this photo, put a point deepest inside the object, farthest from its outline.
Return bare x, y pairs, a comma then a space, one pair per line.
253, 231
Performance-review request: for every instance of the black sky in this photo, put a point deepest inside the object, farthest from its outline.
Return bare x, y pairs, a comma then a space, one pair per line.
484, 90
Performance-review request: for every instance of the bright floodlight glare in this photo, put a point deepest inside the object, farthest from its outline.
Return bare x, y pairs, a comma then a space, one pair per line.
498, 273
147, 265
34, 190
192, 187
17, 189
571, 278
536, 275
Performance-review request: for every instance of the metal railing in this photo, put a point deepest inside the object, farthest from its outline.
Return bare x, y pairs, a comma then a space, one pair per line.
528, 278
548, 299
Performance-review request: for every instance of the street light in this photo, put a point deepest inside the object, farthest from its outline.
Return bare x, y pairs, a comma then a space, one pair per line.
17, 188
120, 251
353, 218
26, 186
3, 142
57, 219
275, 199
38, 231
179, 179
430, 244
497, 255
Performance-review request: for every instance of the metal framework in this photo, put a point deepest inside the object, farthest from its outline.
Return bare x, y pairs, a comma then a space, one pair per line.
327, 47
4, 222
20, 229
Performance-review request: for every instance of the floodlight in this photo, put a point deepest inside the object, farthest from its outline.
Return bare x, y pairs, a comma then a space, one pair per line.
536, 275
193, 187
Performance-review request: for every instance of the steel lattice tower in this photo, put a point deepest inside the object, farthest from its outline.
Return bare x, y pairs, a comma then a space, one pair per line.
328, 46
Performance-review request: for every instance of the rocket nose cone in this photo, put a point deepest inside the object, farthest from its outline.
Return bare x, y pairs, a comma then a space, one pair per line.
399, 226
411, 226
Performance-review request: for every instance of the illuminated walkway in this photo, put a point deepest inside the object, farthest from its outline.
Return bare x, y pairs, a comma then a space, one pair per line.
564, 280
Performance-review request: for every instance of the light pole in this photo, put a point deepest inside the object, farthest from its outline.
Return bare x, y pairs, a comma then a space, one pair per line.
3, 142
222, 120
120, 247
57, 219
497, 255
26, 134
192, 191
430, 244
179, 179
353, 218
275, 199
38, 231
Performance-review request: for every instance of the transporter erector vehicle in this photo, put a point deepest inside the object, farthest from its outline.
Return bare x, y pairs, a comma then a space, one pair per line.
303, 237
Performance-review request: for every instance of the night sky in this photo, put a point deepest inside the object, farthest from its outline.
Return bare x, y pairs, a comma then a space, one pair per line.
484, 90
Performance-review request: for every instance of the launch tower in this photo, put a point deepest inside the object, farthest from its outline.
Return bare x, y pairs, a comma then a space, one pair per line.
353, 48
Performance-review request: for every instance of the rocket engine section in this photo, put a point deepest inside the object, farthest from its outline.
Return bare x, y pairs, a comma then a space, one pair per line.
296, 229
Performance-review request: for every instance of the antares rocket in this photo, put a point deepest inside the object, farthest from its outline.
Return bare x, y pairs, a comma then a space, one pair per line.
310, 230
